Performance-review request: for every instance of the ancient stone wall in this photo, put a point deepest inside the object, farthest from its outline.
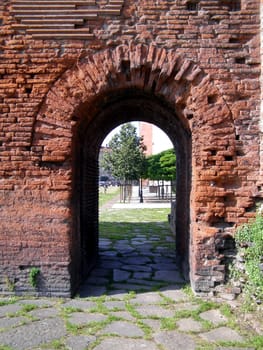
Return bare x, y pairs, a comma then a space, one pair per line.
63, 63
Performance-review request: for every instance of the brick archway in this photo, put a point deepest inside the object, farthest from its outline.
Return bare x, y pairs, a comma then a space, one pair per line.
162, 87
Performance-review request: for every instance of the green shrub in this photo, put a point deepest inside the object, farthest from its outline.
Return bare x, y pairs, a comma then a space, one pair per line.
33, 274
249, 240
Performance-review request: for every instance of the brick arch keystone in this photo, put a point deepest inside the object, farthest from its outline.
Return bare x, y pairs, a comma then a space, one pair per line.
196, 101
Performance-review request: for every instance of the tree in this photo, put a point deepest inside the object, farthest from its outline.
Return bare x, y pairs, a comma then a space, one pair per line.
126, 158
161, 166
168, 165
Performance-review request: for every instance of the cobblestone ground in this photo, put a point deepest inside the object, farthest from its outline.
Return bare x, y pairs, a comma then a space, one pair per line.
135, 299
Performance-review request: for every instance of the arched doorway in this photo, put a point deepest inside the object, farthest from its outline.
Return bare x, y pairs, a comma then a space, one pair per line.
113, 109
115, 85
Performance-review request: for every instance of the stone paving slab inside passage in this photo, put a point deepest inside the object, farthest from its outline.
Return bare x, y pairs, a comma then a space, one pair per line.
125, 304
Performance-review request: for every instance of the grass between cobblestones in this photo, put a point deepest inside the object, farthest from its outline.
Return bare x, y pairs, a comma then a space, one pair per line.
126, 224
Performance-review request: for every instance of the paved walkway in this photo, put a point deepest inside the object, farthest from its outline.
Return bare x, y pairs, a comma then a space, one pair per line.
135, 299
150, 201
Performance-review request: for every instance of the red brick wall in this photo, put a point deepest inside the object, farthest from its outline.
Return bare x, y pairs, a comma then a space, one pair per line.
203, 66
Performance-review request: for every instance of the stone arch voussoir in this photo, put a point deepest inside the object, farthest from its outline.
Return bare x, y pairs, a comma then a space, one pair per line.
165, 73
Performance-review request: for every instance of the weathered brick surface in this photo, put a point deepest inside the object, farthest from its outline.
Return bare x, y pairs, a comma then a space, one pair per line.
195, 73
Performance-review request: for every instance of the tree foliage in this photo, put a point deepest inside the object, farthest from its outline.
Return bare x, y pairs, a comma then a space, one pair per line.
161, 166
126, 158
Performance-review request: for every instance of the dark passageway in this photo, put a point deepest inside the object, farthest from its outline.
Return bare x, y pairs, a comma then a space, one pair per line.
106, 113
136, 251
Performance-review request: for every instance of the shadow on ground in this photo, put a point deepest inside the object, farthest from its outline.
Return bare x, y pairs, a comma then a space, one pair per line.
135, 257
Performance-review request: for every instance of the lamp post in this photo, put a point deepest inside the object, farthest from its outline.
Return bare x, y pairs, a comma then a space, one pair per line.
141, 193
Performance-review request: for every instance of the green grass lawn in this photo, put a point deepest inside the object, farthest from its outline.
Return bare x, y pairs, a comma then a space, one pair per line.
135, 215
126, 223
111, 193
